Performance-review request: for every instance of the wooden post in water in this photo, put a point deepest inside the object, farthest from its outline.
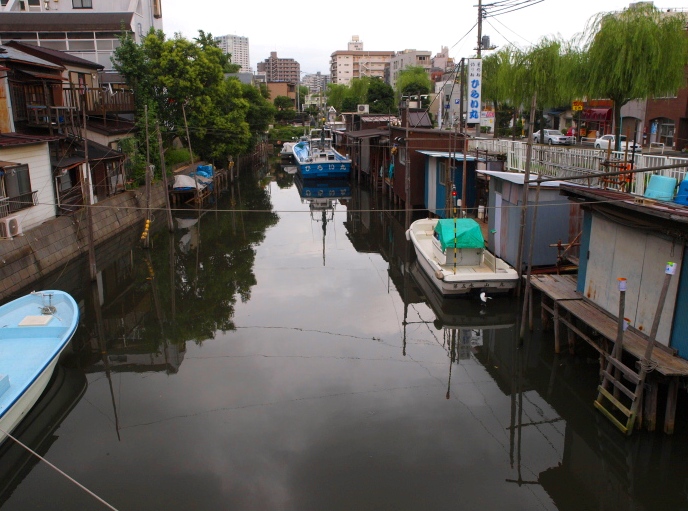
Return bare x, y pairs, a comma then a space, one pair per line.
170, 223
524, 207
146, 240
87, 191
646, 363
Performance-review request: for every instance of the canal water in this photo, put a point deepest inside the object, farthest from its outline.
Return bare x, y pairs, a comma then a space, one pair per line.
281, 351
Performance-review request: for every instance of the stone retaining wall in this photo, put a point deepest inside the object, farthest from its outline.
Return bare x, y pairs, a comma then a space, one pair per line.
51, 245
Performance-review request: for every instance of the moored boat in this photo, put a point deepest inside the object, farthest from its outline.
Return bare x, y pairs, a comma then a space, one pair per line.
287, 151
452, 252
317, 158
34, 330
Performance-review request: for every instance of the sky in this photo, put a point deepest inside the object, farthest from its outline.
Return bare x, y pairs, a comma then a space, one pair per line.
310, 33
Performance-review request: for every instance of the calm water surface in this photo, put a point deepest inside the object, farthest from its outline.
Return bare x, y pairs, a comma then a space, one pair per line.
289, 356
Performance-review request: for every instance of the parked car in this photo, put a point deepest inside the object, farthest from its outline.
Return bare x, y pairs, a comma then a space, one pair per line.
552, 137
604, 141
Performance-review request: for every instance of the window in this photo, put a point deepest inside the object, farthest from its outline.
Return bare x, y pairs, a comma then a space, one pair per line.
82, 4
17, 187
442, 172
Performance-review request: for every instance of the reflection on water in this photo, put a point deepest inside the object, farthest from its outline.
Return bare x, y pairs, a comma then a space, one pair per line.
229, 367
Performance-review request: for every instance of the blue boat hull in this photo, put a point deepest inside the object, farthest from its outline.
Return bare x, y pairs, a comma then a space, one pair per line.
34, 330
316, 170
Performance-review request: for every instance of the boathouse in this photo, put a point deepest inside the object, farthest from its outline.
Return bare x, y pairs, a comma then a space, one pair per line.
440, 182
558, 219
626, 237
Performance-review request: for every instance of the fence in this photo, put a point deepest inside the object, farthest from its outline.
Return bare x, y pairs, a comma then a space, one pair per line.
569, 162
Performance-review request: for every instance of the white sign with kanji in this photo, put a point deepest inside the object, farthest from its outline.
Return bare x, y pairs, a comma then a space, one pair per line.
475, 78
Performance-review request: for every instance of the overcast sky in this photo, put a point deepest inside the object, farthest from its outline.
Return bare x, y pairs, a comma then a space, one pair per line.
311, 32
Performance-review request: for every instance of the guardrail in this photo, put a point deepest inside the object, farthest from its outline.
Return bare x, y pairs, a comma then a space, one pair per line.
658, 145
587, 140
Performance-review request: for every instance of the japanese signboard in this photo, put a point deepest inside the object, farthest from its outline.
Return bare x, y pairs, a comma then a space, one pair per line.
475, 79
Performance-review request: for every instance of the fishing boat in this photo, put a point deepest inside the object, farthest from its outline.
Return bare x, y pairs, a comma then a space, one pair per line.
317, 158
452, 252
34, 330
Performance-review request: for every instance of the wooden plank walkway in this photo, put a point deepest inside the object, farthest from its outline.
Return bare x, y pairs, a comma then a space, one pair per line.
566, 306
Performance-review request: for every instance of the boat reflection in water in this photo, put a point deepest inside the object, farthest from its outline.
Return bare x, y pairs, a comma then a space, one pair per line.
37, 428
322, 197
466, 324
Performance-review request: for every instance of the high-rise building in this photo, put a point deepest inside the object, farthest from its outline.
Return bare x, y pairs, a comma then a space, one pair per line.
280, 70
345, 65
315, 82
237, 47
88, 29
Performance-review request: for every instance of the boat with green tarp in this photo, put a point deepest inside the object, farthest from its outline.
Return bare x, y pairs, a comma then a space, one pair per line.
452, 252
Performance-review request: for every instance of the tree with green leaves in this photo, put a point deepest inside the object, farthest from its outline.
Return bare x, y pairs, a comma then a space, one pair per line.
336, 92
413, 81
174, 77
637, 53
380, 97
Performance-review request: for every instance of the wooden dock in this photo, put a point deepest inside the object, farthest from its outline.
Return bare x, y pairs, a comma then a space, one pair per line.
585, 320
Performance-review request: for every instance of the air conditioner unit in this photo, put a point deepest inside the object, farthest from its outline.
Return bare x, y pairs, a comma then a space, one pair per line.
363, 109
10, 226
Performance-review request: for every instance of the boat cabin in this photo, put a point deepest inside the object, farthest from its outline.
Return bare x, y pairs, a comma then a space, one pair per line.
458, 241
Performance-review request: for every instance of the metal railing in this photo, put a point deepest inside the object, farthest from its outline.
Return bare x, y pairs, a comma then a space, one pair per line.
9, 205
565, 162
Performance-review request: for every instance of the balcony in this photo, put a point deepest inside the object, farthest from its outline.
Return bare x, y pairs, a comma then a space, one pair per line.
10, 205
99, 101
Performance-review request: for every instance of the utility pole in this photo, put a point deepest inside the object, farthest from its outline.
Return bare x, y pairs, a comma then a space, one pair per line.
480, 26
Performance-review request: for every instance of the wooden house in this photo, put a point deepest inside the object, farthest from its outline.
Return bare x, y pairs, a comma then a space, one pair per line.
407, 141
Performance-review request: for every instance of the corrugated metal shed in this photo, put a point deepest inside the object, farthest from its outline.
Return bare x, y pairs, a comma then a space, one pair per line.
555, 215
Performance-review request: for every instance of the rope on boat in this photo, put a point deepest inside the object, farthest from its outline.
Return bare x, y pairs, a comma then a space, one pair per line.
59, 471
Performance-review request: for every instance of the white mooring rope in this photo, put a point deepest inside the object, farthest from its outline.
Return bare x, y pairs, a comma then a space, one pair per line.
59, 471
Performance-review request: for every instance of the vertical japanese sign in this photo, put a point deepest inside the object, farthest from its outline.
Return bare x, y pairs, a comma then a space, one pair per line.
475, 79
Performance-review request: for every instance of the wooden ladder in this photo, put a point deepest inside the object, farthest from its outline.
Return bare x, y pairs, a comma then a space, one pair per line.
616, 369
611, 376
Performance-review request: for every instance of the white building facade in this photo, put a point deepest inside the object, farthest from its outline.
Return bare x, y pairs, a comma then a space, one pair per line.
345, 65
89, 29
237, 47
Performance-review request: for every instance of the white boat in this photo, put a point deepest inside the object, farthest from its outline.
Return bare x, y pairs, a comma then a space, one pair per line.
452, 253
287, 150
34, 330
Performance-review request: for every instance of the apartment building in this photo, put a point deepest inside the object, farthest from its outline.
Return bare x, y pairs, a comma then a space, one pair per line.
280, 70
354, 62
88, 29
237, 47
408, 58
315, 82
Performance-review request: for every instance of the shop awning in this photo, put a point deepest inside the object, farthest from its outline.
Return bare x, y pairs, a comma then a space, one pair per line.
597, 114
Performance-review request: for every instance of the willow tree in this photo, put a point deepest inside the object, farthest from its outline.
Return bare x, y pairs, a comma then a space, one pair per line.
545, 70
498, 80
637, 53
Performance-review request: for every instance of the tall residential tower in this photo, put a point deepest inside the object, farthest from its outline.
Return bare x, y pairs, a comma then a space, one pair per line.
237, 47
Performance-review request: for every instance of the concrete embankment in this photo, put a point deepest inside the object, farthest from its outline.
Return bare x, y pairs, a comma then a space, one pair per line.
50, 246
